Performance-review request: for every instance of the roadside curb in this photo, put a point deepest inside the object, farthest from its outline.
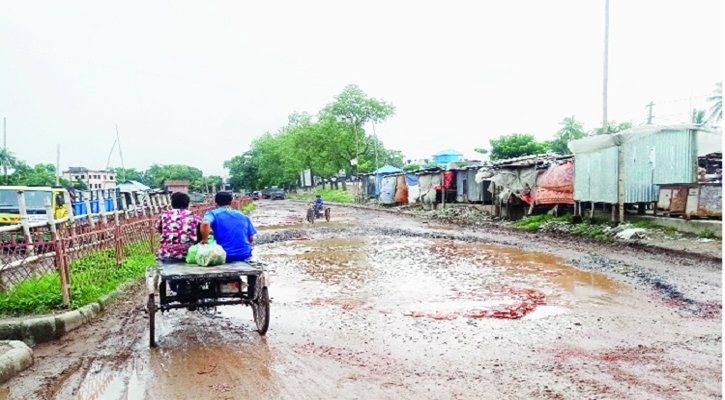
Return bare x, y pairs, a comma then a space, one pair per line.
15, 357
35, 330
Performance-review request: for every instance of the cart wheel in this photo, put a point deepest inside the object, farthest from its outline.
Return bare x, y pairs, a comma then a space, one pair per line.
311, 216
327, 214
260, 308
152, 321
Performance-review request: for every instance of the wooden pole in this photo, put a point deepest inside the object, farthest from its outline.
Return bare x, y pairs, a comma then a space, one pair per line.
59, 256
443, 190
71, 211
620, 156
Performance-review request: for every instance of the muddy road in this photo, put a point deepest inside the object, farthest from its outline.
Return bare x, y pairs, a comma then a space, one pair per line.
381, 306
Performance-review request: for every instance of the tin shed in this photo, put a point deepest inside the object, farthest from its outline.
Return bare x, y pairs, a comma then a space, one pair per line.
652, 155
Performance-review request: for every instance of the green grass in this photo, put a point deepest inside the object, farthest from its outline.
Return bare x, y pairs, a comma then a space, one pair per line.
248, 208
92, 276
331, 195
534, 222
707, 235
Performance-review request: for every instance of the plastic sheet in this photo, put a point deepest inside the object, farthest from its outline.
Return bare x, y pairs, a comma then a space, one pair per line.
556, 185
387, 190
401, 190
427, 193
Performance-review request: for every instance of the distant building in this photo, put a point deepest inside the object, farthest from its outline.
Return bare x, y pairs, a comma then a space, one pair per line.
95, 179
181, 186
447, 156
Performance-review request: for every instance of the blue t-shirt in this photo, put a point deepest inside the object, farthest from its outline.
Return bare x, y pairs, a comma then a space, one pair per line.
318, 201
232, 230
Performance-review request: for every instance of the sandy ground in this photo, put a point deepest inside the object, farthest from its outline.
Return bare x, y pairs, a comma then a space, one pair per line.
375, 305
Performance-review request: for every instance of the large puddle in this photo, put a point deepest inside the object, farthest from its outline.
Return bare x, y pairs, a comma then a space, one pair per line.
434, 278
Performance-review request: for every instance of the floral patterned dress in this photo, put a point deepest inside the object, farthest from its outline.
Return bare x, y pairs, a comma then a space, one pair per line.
178, 229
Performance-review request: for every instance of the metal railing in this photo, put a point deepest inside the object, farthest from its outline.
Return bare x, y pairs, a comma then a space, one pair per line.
72, 257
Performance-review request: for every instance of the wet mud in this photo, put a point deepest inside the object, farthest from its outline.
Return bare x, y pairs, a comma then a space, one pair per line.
382, 306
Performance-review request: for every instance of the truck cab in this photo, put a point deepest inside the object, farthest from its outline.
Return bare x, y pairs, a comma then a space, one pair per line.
35, 199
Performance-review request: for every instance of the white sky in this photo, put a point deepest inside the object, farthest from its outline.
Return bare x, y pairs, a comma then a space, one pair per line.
195, 82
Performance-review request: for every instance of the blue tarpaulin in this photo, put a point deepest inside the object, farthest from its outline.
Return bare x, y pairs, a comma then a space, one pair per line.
380, 173
411, 179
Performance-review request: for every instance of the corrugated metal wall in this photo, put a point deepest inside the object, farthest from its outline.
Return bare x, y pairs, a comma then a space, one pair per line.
675, 157
665, 157
596, 175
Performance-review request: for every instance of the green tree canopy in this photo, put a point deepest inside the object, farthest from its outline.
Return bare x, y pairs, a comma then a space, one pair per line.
613, 127
516, 145
571, 129
326, 144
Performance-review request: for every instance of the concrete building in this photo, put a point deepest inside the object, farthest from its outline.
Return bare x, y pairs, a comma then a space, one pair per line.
95, 179
181, 186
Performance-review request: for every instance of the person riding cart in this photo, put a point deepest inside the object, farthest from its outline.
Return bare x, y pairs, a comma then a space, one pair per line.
319, 206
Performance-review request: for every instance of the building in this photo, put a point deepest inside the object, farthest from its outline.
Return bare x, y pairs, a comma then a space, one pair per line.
174, 186
95, 179
447, 156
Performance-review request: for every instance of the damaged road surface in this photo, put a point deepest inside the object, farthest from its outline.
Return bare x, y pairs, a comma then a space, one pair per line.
381, 306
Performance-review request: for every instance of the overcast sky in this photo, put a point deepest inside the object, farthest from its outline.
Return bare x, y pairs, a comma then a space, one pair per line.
195, 82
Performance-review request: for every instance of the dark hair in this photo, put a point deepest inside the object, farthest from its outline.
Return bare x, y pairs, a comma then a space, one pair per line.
179, 200
223, 198
319, 195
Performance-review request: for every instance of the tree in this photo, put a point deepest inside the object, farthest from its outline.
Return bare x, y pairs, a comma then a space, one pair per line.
716, 108
698, 116
78, 184
8, 160
132, 174
157, 174
516, 145
39, 175
411, 167
571, 129
613, 127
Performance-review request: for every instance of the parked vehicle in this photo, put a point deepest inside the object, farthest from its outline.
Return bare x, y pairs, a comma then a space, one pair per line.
277, 194
35, 198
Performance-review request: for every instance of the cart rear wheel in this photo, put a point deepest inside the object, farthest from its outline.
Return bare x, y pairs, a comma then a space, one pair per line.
311, 216
260, 308
327, 214
152, 320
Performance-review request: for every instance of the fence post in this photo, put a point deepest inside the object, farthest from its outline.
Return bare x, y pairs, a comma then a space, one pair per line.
102, 207
89, 212
124, 206
24, 221
152, 232
168, 201
71, 211
118, 233
143, 208
59, 256
133, 203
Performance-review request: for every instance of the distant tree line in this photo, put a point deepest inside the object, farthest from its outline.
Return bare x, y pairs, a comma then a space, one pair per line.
327, 143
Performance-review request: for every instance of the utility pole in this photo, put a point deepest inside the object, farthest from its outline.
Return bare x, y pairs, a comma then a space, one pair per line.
376, 146
649, 118
605, 129
5, 149
118, 139
57, 166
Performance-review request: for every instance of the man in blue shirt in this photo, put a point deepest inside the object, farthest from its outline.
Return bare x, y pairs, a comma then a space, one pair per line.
318, 205
233, 231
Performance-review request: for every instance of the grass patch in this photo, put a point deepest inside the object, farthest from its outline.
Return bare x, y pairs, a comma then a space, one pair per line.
331, 195
92, 276
533, 223
248, 208
707, 235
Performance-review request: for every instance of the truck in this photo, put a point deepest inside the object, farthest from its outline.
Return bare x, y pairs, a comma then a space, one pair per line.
36, 197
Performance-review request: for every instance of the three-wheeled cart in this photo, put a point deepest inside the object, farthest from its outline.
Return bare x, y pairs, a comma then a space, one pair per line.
181, 285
